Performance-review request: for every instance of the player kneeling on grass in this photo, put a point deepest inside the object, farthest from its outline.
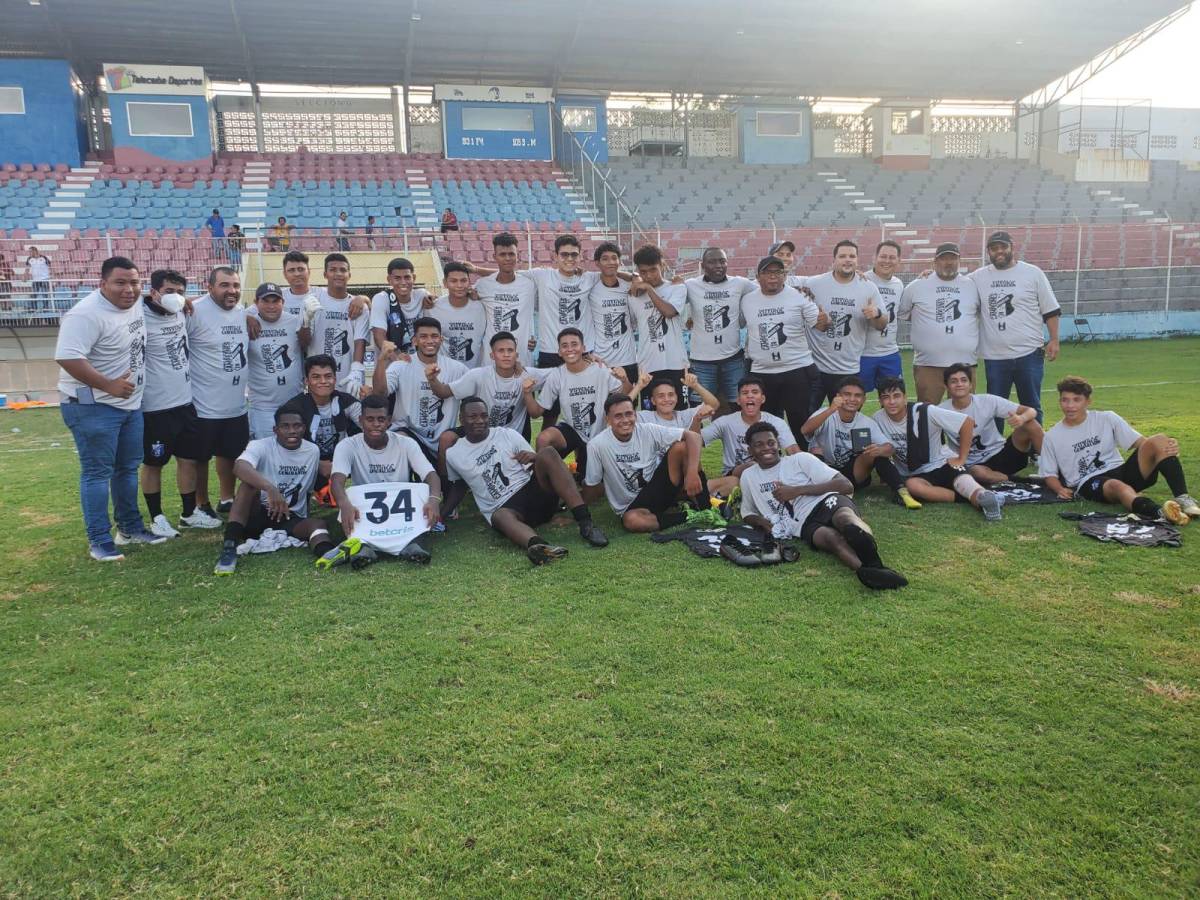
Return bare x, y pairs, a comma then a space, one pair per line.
853, 444
515, 489
644, 469
377, 456
799, 495
992, 458
276, 475
1081, 458
935, 473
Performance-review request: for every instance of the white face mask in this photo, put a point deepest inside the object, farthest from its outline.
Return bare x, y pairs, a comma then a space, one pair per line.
171, 302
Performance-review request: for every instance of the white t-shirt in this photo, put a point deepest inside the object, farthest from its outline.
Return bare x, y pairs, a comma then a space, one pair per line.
983, 410
417, 406
716, 312
276, 363
660, 339
883, 343
1076, 453
398, 460
562, 303
489, 468
837, 347
335, 333
581, 395
509, 307
731, 431
293, 472
625, 467
293, 304
681, 418
462, 330
39, 268
1014, 303
777, 330
612, 323
758, 486
381, 309
796, 281
945, 320
113, 340
217, 345
941, 421
836, 443
504, 396
168, 383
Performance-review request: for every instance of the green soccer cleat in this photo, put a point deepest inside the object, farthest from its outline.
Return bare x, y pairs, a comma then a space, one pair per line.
341, 554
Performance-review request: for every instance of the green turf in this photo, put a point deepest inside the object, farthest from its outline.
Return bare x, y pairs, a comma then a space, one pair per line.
1023, 720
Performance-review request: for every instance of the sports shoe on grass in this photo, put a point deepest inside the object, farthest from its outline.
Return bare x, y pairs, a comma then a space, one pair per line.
540, 554
224, 507
438, 527
1190, 507
415, 552
880, 578
227, 561
105, 551
122, 539
1173, 512
364, 557
341, 554
162, 527
990, 503
590, 532
907, 499
199, 519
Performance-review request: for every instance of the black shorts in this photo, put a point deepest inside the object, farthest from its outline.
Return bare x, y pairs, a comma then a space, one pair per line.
822, 515
170, 432
532, 505
848, 471
1129, 472
943, 477
576, 443
550, 361
226, 438
430, 455
659, 493
1008, 459
259, 521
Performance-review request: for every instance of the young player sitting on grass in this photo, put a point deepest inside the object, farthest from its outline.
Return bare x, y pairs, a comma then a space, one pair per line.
853, 444
1081, 459
992, 458
668, 408
644, 469
935, 474
798, 495
731, 430
276, 475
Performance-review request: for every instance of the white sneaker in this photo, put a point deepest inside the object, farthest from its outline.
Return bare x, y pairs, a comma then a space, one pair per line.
199, 519
162, 527
1189, 506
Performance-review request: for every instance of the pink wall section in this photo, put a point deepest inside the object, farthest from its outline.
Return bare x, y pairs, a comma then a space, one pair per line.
132, 156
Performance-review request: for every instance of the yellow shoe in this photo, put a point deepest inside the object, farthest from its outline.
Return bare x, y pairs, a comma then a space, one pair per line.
909, 501
1174, 513
343, 553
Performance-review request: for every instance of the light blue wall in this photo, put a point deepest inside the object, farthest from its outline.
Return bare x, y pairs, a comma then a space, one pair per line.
774, 150
49, 131
463, 144
594, 143
141, 150
1125, 325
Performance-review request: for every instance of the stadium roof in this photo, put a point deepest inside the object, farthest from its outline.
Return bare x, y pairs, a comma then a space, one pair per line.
871, 48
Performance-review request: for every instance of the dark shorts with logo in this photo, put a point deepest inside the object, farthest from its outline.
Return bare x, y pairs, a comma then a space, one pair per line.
170, 432
822, 515
659, 493
532, 505
1008, 459
1129, 472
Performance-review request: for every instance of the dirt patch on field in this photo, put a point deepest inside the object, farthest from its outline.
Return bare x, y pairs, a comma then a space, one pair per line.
1146, 600
36, 518
1176, 693
979, 548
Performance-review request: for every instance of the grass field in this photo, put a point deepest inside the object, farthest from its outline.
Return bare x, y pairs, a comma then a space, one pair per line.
1023, 719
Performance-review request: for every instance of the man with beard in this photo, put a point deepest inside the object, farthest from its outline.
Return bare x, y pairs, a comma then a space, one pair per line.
881, 355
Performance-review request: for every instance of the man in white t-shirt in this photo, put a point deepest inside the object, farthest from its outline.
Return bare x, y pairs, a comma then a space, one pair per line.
715, 309
274, 360
394, 310
464, 321
379, 456
38, 268
944, 310
562, 294
881, 355
800, 496
276, 474
785, 252
335, 331
509, 298
515, 489
330, 416
1016, 303
934, 472
645, 470
298, 295
101, 349
656, 304
992, 458
731, 429
608, 304
1081, 458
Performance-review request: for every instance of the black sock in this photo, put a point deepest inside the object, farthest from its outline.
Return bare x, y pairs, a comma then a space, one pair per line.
236, 532
887, 471
862, 542
207, 507
154, 503
189, 503
702, 500
1144, 506
320, 549
581, 513
534, 541
671, 518
1172, 471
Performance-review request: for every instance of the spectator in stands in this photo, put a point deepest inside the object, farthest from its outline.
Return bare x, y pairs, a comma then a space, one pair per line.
237, 244
341, 228
280, 238
6, 278
38, 269
371, 233
449, 220
1015, 301
216, 227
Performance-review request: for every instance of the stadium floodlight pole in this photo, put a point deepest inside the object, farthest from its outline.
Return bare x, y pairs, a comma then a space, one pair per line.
774, 230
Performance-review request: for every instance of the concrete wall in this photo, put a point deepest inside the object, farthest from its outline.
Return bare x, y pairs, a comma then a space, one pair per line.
772, 149
595, 143
142, 150
50, 130
475, 143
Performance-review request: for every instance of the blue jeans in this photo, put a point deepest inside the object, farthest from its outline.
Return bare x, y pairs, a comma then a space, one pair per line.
722, 376
873, 368
109, 441
1025, 372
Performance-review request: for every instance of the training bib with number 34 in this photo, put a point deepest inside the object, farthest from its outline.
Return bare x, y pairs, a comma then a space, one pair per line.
389, 513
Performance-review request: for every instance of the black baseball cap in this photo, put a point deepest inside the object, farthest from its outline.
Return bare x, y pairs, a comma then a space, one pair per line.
768, 261
947, 248
268, 289
784, 243
1000, 237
